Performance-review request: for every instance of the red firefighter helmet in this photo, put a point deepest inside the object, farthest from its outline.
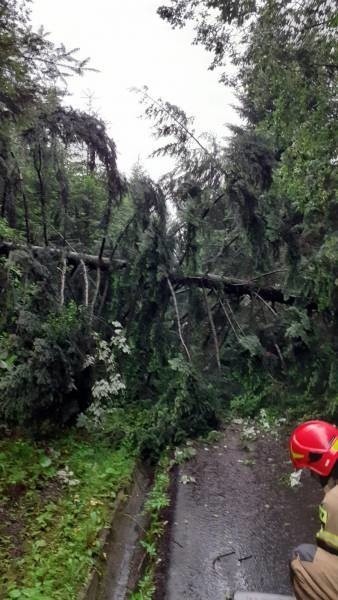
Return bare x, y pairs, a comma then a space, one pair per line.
314, 445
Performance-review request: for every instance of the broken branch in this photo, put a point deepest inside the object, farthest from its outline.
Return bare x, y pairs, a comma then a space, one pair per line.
172, 291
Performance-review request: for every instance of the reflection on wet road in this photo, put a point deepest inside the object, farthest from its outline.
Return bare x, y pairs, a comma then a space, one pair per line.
234, 527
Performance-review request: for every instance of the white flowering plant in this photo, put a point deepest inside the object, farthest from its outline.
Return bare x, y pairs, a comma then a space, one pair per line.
110, 384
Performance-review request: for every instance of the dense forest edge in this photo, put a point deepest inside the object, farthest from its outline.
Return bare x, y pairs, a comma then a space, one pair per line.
136, 314
106, 301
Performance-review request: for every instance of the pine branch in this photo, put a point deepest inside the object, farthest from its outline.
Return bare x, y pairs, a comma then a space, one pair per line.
96, 291
228, 319
85, 279
37, 159
233, 316
231, 286
174, 118
121, 235
213, 329
172, 291
73, 258
265, 304
63, 281
238, 288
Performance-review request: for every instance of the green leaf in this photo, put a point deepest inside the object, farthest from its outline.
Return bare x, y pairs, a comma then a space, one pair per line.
45, 462
15, 593
252, 344
334, 21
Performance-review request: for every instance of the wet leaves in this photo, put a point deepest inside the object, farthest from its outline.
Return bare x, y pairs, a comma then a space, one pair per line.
295, 478
184, 453
187, 479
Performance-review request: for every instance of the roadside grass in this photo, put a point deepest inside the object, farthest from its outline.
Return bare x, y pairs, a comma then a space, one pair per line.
158, 499
55, 498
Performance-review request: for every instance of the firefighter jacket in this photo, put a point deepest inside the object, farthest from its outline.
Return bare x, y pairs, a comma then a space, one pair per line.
327, 537
314, 569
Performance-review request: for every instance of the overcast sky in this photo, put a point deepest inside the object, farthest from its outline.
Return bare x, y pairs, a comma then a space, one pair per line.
131, 46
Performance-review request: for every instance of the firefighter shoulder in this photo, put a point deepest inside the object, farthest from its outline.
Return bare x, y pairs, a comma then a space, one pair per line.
327, 537
314, 568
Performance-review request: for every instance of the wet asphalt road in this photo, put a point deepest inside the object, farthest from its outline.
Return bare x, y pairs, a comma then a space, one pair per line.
234, 527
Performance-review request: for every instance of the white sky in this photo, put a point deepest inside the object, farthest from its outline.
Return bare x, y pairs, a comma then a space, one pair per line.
131, 46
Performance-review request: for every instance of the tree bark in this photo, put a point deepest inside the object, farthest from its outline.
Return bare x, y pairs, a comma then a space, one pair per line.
172, 291
228, 285
237, 287
73, 258
42, 192
213, 329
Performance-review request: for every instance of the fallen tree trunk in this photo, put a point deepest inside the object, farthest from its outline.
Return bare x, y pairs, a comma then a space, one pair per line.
227, 285
237, 287
73, 258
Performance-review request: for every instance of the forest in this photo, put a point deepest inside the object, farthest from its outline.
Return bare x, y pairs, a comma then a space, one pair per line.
146, 312
232, 303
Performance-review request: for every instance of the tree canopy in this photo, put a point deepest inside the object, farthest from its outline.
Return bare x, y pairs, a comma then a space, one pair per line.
230, 303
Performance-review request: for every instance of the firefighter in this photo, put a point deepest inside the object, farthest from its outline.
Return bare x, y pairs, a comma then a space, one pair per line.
314, 568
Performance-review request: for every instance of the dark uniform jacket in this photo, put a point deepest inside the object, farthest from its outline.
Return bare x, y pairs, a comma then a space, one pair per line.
314, 569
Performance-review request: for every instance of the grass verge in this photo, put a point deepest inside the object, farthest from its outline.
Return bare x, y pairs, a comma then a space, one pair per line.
158, 499
55, 499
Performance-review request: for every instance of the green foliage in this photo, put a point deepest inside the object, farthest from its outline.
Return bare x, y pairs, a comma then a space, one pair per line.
87, 199
158, 499
111, 384
299, 325
186, 405
252, 344
145, 589
59, 495
6, 232
49, 363
187, 452
255, 394
281, 184
261, 210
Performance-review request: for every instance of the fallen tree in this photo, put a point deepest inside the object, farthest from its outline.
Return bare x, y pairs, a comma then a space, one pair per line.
72, 258
228, 285
234, 287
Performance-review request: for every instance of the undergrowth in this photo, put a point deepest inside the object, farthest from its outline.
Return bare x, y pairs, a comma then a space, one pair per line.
56, 498
297, 396
157, 501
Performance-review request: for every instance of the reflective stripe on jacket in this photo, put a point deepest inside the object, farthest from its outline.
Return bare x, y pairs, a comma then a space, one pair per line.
327, 537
